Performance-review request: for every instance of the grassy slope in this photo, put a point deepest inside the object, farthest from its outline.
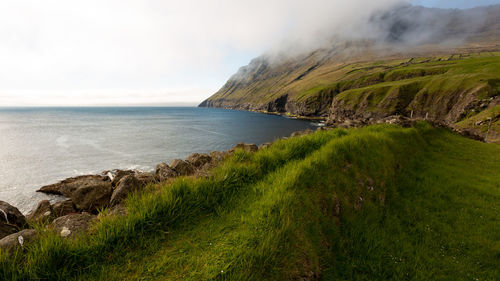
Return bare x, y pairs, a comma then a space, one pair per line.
375, 203
426, 85
282, 79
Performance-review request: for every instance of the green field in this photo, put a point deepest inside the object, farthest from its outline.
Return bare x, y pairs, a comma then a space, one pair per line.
376, 203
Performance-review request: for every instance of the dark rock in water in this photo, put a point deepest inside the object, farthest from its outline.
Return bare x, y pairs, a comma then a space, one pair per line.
127, 185
245, 147
164, 172
68, 186
198, 160
88, 193
42, 212
182, 167
11, 215
72, 224
91, 195
18, 239
63, 208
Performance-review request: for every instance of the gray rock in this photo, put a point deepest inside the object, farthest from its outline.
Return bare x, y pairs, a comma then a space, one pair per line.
164, 172
11, 215
182, 167
146, 178
199, 160
43, 212
68, 186
72, 224
218, 156
127, 185
7, 229
92, 195
63, 208
18, 239
117, 175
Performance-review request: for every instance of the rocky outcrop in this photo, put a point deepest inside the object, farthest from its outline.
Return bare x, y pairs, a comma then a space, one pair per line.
126, 185
92, 195
88, 193
11, 219
68, 186
43, 212
182, 167
219, 156
73, 224
63, 208
199, 160
117, 175
18, 239
163, 172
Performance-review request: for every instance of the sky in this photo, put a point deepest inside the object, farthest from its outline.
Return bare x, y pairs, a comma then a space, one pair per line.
154, 52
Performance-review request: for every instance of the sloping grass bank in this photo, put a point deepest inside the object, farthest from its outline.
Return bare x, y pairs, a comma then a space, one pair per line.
375, 203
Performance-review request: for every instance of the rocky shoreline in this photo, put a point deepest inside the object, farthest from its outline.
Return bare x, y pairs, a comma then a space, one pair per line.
87, 195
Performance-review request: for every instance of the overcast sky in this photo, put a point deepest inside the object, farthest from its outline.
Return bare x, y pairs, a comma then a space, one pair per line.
154, 52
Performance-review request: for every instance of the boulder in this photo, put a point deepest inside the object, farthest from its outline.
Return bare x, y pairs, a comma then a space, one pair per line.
182, 167
164, 172
117, 175
42, 212
245, 147
68, 186
17, 239
127, 185
199, 160
7, 229
72, 224
145, 177
92, 195
218, 156
63, 208
11, 215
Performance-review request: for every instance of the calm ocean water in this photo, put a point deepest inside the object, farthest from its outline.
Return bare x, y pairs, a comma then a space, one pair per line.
39, 146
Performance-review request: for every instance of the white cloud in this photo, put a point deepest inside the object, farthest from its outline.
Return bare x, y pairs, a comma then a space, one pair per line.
144, 51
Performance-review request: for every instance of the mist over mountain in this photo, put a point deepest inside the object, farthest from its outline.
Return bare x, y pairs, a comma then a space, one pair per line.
376, 64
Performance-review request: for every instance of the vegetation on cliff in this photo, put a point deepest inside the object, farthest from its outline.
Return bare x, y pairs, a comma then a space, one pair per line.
454, 88
377, 203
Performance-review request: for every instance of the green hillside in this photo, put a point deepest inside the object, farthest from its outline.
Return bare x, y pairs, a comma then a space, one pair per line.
376, 203
461, 90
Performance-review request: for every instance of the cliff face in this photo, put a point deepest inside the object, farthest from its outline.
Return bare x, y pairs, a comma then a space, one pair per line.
368, 80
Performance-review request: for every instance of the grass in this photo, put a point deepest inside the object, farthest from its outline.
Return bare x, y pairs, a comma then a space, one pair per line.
439, 87
377, 203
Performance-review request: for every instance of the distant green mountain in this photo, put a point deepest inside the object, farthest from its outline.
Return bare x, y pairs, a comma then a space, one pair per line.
368, 80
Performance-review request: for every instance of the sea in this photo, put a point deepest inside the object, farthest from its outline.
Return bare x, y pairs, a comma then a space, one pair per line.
40, 146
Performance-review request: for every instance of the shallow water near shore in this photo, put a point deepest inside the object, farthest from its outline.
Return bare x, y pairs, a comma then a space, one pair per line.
40, 146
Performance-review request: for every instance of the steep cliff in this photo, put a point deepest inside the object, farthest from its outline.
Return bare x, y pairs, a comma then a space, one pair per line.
370, 79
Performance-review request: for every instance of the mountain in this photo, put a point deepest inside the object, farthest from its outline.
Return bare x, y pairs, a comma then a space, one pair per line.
443, 65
